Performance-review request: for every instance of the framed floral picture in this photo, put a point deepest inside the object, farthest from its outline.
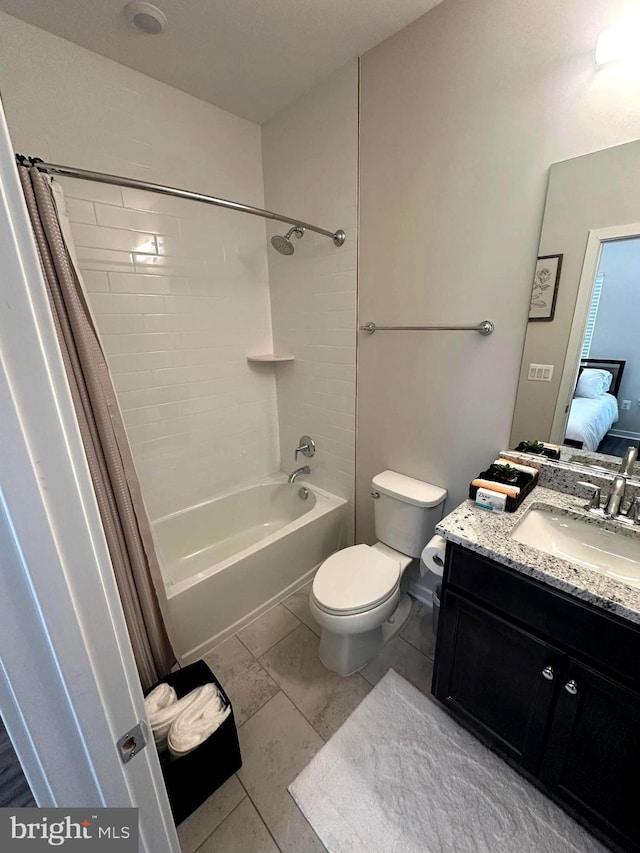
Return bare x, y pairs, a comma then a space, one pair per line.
545, 287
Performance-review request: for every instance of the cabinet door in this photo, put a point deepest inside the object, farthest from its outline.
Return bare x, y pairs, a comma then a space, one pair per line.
497, 678
592, 759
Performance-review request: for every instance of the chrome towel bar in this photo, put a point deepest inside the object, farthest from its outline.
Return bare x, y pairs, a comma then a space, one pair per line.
487, 327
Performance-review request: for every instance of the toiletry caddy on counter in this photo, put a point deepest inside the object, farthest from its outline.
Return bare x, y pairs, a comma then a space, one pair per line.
540, 658
503, 486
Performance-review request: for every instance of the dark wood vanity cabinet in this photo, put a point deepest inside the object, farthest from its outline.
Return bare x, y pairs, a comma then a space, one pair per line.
551, 683
489, 673
592, 758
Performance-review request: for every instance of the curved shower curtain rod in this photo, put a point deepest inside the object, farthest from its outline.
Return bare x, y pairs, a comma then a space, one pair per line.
338, 236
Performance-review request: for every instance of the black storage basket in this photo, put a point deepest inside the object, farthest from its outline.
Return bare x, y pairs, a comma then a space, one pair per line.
524, 481
193, 777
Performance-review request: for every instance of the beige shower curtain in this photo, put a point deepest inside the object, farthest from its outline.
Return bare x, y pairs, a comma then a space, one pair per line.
124, 518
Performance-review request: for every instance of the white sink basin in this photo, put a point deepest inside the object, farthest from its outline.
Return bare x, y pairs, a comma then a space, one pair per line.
588, 544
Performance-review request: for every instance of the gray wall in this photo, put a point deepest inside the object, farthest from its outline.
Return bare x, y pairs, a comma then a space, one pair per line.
462, 113
616, 330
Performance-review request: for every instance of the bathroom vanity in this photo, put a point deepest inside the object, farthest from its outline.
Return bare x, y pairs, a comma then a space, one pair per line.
540, 657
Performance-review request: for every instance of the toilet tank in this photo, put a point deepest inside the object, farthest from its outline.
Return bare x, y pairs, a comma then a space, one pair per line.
406, 511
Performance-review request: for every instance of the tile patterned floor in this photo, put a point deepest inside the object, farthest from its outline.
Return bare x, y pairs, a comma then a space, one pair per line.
287, 705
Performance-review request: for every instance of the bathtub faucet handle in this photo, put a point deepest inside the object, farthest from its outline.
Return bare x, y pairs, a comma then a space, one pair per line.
306, 446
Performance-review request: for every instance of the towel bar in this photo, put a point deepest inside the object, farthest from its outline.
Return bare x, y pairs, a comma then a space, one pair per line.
487, 327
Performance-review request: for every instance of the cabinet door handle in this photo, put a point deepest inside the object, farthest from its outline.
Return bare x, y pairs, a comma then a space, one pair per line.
548, 673
571, 687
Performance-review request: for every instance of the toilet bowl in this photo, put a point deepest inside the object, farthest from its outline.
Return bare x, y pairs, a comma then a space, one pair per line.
356, 594
355, 599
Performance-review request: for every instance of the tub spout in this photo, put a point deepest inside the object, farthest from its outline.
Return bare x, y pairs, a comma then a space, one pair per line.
294, 474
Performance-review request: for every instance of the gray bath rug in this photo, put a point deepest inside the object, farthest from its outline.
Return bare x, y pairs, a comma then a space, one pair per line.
401, 776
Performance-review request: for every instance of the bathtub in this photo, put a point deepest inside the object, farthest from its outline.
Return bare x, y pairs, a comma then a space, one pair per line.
226, 561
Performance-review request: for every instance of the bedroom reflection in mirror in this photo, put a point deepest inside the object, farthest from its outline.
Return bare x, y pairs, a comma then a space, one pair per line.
604, 412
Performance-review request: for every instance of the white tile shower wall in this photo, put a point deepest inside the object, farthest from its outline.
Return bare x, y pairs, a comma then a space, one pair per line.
177, 328
310, 157
180, 290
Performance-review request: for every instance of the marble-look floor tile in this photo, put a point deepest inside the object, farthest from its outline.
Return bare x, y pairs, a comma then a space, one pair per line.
268, 629
246, 682
241, 832
276, 743
419, 629
298, 603
406, 660
326, 699
198, 826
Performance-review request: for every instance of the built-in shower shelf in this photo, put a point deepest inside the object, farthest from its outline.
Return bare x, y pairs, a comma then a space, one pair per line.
270, 358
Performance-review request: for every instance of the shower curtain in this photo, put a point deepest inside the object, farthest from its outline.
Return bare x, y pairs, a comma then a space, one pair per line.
124, 518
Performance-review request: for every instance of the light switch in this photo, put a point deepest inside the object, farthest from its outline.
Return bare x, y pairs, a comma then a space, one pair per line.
626, 405
540, 372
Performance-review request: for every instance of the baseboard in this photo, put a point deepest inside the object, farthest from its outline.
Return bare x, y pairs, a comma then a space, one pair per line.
624, 433
422, 593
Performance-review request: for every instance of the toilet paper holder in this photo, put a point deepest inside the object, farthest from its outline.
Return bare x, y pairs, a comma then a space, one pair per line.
432, 556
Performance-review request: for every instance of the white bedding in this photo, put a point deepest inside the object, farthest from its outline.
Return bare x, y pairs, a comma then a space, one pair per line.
591, 418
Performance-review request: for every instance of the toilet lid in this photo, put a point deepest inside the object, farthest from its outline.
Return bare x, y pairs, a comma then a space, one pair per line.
355, 579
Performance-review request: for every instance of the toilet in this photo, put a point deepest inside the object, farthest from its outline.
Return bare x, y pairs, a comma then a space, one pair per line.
356, 597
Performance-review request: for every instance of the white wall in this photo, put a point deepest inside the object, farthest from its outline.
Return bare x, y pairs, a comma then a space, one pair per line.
615, 334
310, 153
462, 114
177, 323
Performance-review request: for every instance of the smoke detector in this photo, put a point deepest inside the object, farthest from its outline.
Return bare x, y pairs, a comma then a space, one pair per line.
146, 17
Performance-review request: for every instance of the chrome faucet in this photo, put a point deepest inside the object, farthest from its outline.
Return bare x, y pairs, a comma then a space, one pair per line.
629, 460
616, 496
295, 474
633, 513
613, 506
594, 497
306, 446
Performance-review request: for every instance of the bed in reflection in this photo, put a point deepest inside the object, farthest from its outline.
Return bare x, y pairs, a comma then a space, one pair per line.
594, 407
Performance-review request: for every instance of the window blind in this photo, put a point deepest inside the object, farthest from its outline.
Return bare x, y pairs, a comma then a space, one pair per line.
593, 312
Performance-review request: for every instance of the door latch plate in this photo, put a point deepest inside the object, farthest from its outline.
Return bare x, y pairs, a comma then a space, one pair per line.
132, 742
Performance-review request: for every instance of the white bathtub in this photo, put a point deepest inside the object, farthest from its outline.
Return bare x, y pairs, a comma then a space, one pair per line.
226, 561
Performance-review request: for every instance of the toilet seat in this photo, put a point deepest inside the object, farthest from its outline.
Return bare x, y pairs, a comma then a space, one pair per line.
356, 579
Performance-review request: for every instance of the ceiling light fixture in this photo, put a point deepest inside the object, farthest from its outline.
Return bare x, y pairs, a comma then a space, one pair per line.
617, 43
146, 17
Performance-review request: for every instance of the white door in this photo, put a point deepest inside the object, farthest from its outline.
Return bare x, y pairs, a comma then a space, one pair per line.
68, 682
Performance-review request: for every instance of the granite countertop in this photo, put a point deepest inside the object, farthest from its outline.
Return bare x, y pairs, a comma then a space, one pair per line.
488, 534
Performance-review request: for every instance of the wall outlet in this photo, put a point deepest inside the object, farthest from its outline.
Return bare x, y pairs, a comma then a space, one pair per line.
540, 372
626, 405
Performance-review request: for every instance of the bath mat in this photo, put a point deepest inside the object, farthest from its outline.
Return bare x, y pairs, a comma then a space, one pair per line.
401, 776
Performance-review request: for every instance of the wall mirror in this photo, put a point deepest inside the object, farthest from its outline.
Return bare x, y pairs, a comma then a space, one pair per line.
579, 380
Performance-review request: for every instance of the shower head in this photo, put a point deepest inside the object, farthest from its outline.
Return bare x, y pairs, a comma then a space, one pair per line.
284, 244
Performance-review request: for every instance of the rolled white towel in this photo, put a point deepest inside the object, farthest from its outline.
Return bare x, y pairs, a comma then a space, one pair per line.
200, 720
156, 705
157, 701
163, 717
